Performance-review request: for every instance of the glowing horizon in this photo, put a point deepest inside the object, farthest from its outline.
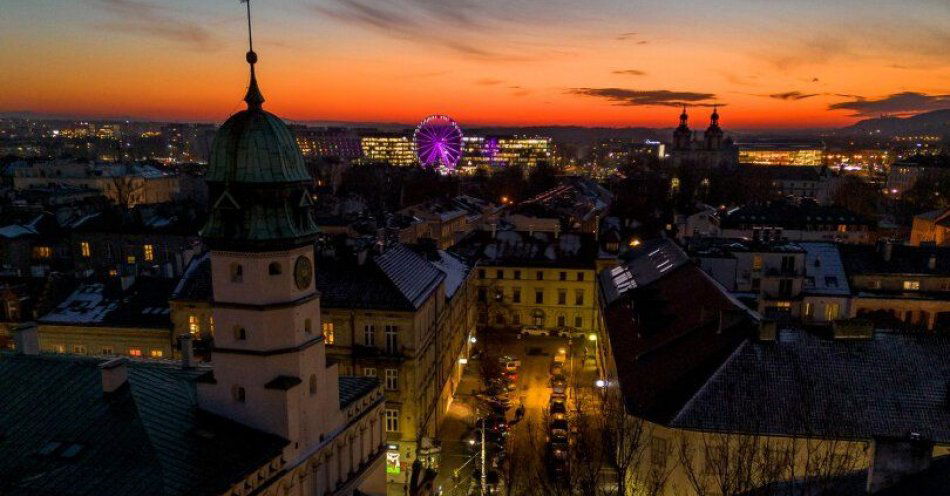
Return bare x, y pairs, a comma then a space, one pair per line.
613, 63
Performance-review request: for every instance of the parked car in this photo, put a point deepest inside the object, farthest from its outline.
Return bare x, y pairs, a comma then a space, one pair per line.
510, 376
557, 369
533, 331
558, 397
557, 410
558, 384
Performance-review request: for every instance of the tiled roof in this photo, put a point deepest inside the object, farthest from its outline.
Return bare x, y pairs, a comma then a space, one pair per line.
144, 304
889, 386
396, 280
790, 216
865, 259
354, 388
539, 249
669, 334
60, 435
413, 275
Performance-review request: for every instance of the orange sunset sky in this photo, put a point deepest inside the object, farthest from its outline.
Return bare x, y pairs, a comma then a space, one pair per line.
770, 63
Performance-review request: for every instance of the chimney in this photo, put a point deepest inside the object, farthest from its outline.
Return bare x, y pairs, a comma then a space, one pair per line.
187, 351
115, 373
892, 460
932, 262
26, 339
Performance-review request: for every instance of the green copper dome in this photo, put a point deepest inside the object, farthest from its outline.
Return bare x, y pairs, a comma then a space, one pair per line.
255, 146
257, 182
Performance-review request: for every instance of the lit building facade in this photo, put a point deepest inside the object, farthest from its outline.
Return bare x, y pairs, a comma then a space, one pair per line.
780, 154
390, 148
491, 152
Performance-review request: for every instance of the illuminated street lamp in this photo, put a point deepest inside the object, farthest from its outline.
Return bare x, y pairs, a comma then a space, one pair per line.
601, 383
634, 242
592, 337
472, 339
463, 361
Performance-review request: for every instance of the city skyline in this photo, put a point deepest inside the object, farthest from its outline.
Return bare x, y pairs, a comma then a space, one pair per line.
768, 64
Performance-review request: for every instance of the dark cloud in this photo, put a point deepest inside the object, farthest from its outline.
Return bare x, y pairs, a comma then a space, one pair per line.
428, 22
139, 17
664, 98
626, 36
642, 42
814, 80
792, 95
908, 102
630, 72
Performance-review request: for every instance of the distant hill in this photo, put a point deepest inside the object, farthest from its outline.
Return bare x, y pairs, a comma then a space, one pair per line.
933, 122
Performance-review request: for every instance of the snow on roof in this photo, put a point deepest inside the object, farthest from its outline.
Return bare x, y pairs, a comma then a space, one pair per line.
824, 271
15, 231
85, 305
455, 271
414, 276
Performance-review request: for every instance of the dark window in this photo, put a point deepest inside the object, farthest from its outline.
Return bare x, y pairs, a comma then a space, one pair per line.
562, 297
562, 276
482, 295
517, 274
540, 275
274, 269
580, 276
481, 273
539, 297
516, 295
499, 274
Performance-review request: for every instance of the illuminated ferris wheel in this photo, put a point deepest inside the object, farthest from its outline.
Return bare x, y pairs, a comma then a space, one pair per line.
438, 141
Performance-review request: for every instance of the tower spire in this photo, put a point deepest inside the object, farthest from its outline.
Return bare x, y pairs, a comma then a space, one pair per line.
683, 116
253, 97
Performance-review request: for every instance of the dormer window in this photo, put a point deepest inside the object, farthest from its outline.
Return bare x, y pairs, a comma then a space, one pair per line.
274, 269
237, 272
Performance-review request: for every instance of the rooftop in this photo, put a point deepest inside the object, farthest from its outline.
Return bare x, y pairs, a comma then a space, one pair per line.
889, 386
60, 435
539, 249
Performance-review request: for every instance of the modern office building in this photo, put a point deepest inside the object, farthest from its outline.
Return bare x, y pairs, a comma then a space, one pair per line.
492, 152
388, 148
809, 154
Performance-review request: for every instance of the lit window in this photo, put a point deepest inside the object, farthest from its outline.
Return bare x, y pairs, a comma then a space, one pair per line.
369, 371
912, 285
392, 379
135, 352
85, 249
130, 259
107, 350
148, 252
392, 339
211, 325
328, 332
369, 335
193, 326
79, 349
60, 348
757, 262
156, 353
42, 252
831, 311
392, 420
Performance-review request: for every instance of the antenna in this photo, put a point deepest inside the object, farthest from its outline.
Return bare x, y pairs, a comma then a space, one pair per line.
254, 98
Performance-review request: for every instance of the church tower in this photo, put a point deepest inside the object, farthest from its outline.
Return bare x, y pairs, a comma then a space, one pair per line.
269, 358
682, 135
713, 133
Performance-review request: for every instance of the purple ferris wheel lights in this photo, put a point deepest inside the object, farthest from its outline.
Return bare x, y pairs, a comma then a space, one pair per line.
438, 141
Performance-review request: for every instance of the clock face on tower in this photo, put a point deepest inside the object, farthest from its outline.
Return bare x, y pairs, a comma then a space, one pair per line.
303, 272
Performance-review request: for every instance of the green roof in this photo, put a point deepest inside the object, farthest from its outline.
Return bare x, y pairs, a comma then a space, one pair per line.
60, 435
255, 146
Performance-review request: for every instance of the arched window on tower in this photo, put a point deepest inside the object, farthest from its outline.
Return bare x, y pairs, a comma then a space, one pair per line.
313, 384
237, 272
238, 393
308, 326
240, 333
274, 269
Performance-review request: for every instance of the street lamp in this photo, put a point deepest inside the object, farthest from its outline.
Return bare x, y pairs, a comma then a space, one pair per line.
601, 383
463, 361
472, 340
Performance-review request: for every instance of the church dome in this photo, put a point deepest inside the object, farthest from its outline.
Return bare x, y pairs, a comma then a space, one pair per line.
255, 146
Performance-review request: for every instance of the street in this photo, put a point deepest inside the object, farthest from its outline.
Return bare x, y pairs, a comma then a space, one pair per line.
458, 434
